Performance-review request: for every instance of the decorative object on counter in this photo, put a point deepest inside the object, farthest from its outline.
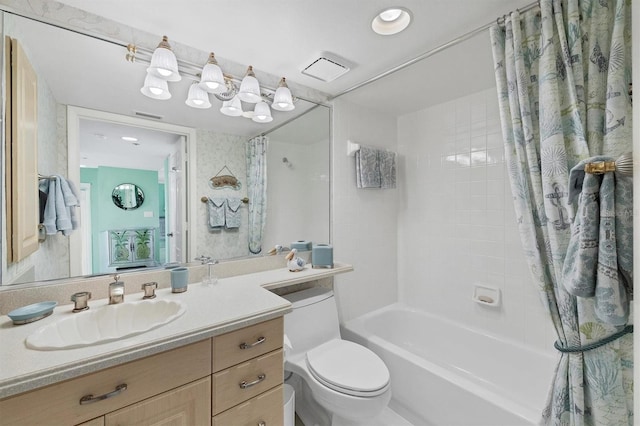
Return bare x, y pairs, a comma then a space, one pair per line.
322, 256
179, 279
302, 245
277, 249
31, 313
295, 263
221, 181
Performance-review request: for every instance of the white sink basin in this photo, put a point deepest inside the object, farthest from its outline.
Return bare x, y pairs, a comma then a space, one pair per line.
105, 324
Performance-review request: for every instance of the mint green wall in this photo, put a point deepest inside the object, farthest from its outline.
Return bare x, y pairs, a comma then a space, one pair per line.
106, 216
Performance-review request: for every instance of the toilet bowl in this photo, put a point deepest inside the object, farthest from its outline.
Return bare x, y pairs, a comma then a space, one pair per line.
349, 381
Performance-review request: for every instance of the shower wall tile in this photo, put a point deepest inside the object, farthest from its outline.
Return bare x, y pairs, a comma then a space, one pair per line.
456, 224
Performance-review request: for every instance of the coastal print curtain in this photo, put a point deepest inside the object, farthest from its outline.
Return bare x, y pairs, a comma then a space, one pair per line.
563, 76
256, 154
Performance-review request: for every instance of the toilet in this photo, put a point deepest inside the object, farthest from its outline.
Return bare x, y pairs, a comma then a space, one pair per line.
349, 382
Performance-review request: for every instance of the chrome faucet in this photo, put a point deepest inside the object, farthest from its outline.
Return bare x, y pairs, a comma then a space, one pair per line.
80, 299
116, 291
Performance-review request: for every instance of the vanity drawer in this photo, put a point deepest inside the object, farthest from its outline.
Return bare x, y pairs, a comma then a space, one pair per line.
244, 381
240, 345
60, 403
264, 409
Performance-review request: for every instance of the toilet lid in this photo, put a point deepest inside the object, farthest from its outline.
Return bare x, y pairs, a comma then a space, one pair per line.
348, 368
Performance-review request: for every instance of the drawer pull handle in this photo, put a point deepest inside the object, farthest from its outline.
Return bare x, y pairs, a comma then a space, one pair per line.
244, 385
88, 399
256, 343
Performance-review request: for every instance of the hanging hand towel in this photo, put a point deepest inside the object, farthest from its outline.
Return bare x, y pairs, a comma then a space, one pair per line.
71, 201
367, 168
216, 208
50, 209
592, 267
63, 218
232, 213
387, 169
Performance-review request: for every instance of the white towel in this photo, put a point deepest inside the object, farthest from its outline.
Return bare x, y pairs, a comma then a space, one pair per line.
216, 207
232, 213
71, 201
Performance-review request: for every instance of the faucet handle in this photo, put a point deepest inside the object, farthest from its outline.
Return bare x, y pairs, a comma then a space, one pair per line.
203, 259
81, 300
149, 290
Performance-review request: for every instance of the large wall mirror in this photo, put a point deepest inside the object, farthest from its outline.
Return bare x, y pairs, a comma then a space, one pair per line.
98, 131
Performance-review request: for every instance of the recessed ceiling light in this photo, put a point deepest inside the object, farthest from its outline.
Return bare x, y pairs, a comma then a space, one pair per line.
391, 21
129, 139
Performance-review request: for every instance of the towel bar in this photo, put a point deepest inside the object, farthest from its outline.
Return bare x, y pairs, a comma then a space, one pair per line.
205, 199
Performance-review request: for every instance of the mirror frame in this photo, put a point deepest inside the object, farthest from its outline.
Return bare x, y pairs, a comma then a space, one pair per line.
76, 114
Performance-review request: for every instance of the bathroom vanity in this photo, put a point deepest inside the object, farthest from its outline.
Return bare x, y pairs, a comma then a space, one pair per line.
220, 363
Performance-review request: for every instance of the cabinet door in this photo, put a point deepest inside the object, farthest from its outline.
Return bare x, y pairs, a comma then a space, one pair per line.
185, 406
24, 156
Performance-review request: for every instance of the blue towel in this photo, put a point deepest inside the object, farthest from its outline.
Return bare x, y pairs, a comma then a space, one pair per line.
599, 255
71, 201
216, 207
232, 213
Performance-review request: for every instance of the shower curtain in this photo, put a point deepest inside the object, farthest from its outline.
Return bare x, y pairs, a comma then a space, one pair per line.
256, 154
563, 76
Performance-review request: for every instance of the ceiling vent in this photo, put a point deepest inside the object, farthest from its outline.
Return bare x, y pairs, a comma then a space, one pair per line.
148, 115
327, 67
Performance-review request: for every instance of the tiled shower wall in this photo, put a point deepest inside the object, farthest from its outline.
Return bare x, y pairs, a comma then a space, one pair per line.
456, 223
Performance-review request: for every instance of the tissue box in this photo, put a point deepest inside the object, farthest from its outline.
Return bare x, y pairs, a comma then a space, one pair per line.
322, 256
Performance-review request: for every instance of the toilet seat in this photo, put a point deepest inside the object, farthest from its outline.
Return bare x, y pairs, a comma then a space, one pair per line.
348, 368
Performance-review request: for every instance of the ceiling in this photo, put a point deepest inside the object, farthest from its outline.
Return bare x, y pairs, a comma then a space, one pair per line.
283, 37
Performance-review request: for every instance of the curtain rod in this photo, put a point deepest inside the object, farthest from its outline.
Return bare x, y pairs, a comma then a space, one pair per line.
432, 52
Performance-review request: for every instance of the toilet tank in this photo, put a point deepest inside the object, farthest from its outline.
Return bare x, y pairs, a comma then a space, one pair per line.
313, 320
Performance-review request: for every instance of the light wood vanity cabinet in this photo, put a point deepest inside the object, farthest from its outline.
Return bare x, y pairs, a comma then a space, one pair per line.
183, 386
248, 376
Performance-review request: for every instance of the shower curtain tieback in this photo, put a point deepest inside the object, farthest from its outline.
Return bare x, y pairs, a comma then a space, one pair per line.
574, 349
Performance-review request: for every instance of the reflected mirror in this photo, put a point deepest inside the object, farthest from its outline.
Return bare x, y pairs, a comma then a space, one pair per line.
127, 196
91, 99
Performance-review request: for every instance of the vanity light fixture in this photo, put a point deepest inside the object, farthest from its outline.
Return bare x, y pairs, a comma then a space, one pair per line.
164, 63
198, 98
282, 99
262, 113
155, 88
391, 21
250, 88
210, 79
232, 108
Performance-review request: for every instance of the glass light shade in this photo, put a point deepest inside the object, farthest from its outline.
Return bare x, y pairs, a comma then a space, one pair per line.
155, 88
232, 108
250, 88
164, 64
212, 80
282, 99
262, 113
197, 98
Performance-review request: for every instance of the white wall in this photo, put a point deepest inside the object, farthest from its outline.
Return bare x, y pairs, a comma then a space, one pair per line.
456, 224
365, 220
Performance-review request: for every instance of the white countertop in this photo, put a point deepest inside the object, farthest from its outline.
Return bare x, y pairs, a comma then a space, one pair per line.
230, 304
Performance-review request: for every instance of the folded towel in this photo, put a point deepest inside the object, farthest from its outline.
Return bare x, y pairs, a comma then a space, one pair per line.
592, 266
71, 201
232, 213
387, 169
367, 168
216, 207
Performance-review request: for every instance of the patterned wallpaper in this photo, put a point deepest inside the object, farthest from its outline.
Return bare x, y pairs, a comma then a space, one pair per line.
215, 151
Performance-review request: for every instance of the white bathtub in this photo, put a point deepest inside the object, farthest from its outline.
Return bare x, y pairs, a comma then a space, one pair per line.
443, 373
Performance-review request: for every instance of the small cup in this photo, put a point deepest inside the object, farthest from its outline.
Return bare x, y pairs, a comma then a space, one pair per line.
179, 280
